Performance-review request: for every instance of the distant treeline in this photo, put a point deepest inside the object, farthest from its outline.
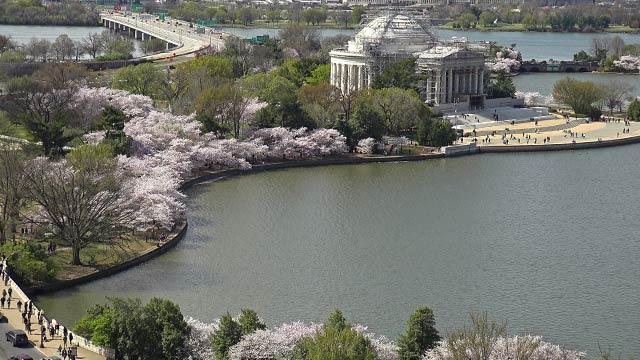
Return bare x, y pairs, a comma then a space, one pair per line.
32, 12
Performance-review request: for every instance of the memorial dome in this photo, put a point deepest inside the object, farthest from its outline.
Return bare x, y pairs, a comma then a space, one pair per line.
393, 33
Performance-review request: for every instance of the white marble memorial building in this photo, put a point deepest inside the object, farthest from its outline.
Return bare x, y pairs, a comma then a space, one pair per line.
454, 70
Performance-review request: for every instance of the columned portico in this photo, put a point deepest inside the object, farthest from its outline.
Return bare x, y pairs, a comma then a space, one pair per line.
455, 75
350, 74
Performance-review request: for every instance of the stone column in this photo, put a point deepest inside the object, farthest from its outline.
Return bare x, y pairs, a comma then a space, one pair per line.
481, 82
429, 88
467, 80
456, 82
475, 80
369, 77
333, 74
345, 78
442, 93
449, 85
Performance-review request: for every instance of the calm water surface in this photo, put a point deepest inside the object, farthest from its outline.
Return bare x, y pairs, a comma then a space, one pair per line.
548, 242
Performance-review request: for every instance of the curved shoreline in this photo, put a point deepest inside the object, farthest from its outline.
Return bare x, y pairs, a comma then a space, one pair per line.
207, 176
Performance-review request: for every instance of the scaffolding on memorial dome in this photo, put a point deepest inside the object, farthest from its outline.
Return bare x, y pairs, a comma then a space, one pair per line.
416, 15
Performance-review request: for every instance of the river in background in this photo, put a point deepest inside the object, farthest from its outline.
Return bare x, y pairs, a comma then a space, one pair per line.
22, 34
533, 45
547, 241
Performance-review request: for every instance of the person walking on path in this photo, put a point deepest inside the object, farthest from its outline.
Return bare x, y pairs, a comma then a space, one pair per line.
70, 339
2, 300
10, 290
64, 336
9, 302
19, 303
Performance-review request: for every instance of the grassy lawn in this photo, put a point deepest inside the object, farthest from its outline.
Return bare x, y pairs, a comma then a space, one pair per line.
99, 256
282, 24
13, 130
621, 29
497, 27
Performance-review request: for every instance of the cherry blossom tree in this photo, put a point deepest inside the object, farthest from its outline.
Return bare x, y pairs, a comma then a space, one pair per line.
272, 343
198, 344
366, 146
89, 102
534, 98
628, 63
505, 348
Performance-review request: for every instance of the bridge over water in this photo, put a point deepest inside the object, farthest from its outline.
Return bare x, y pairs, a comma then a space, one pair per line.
181, 37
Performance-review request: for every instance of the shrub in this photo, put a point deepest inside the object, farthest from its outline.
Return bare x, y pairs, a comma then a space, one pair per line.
29, 262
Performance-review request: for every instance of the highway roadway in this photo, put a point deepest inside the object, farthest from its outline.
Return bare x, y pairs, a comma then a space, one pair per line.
176, 32
7, 350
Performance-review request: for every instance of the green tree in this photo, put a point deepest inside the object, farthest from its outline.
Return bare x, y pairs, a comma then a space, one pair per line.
156, 330
400, 109
321, 102
633, 112
356, 14
466, 20
423, 135
319, 75
338, 340
442, 133
580, 96
420, 336
44, 109
366, 121
501, 87
229, 333
487, 18
250, 322
12, 190
401, 74
140, 79
112, 122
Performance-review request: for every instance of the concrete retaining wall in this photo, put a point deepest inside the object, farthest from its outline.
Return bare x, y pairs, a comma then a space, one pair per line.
559, 147
458, 150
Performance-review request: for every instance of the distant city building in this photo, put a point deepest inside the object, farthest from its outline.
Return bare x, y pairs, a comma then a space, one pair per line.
454, 70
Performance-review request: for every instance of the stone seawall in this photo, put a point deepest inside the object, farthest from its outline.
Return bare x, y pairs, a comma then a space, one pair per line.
559, 147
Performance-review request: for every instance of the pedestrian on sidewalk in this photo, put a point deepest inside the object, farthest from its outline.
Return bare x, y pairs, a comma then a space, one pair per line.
9, 302
10, 291
70, 339
19, 303
64, 354
2, 300
29, 327
30, 307
52, 331
43, 332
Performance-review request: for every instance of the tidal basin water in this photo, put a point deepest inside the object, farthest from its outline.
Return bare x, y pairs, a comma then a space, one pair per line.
547, 241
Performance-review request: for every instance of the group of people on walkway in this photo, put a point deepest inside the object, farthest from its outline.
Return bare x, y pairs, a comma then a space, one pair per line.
52, 328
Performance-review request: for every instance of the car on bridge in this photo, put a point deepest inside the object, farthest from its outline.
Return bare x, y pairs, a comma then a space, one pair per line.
17, 337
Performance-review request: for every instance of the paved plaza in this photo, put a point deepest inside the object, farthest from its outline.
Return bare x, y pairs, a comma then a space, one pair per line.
553, 131
505, 115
